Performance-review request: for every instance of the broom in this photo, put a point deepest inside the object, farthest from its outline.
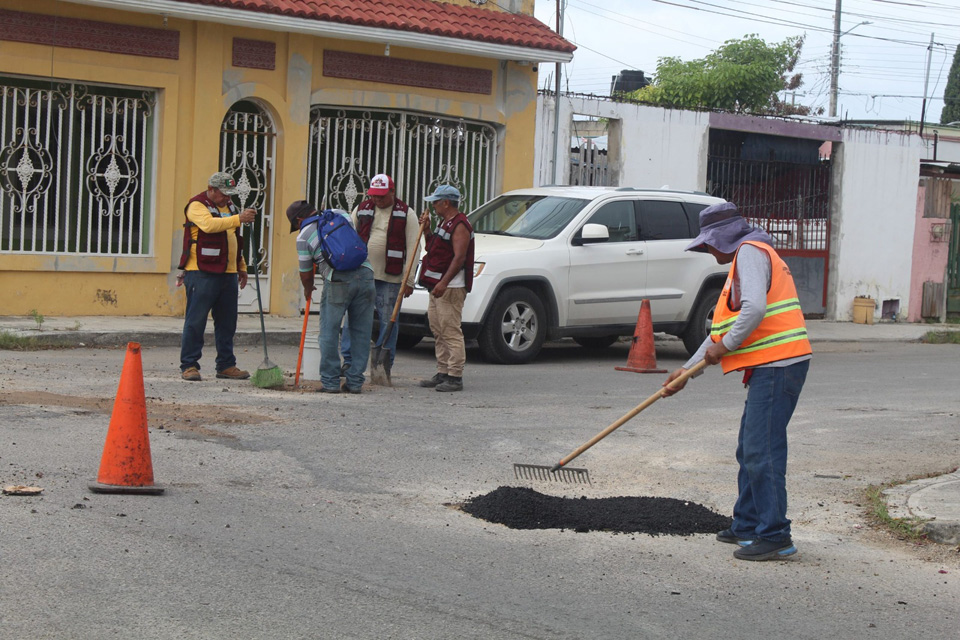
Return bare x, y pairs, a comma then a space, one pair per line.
267, 374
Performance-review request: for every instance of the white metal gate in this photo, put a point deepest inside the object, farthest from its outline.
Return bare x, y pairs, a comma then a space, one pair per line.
248, 143
75, 168
420, 152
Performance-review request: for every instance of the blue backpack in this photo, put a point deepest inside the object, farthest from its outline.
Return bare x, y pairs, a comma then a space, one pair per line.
341, 245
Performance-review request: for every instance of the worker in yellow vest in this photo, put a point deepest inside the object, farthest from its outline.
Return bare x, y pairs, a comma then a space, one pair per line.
758, 329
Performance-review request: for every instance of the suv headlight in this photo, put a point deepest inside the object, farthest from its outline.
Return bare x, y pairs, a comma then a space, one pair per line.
478, 268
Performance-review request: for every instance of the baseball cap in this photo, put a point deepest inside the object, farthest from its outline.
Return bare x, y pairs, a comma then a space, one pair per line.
381, 185
444, 192
223, 181
300, 208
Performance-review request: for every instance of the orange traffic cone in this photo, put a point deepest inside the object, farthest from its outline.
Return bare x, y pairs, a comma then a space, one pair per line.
642, 357
126, 466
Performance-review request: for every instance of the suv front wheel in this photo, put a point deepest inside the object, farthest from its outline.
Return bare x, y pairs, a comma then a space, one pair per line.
515, 328
698, 328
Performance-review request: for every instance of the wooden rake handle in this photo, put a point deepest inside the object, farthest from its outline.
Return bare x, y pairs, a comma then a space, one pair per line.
406, 273
633, 412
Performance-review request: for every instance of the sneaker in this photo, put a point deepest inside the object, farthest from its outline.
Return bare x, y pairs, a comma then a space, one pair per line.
728, 536
434, 381
766, 550
232, 373
451, 384
327, 390
347, 389
191, 373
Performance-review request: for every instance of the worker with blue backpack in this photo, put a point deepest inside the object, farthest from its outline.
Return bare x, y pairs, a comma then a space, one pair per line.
328, 244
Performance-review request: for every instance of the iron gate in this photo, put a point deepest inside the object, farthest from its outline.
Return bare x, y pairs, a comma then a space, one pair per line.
75, 168
420, 152
789, 197
247, 149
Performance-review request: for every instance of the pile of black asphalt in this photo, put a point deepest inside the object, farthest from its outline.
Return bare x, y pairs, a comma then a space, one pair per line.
524, 508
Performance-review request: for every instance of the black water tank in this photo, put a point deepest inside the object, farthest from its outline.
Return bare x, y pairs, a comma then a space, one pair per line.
628, 80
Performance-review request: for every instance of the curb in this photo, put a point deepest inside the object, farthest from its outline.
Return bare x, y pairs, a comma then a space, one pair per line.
154, 338
908, 500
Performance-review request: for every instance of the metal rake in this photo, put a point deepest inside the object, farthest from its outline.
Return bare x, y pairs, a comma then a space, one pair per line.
558, 474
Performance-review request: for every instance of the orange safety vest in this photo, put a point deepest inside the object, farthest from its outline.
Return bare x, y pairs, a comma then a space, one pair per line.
782, 333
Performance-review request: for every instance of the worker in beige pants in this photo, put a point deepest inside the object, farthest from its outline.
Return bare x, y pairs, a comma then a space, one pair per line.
447, 273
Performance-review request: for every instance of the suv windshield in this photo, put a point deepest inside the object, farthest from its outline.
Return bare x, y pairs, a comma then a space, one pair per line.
526, 216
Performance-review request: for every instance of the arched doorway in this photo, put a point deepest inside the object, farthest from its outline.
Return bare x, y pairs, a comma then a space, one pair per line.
248, 144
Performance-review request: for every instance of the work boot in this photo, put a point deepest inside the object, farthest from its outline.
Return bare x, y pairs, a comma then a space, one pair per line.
345, 388
191, 373
434, 381
766, 550
232, 373
728, 536
451, 384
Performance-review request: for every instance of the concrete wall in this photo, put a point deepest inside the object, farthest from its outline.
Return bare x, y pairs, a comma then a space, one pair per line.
875, 178
652, 147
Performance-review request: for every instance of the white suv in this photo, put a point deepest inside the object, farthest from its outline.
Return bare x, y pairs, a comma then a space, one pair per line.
555, 262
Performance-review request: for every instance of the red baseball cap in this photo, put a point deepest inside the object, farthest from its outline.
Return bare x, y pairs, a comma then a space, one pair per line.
381, 185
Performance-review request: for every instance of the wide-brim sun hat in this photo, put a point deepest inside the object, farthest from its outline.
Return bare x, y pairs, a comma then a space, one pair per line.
723, 228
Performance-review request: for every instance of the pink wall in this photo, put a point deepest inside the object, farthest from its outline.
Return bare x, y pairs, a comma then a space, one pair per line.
929, 257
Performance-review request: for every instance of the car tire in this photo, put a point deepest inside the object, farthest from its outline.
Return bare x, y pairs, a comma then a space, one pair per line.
595, 342
408, 340
698, 328
515, 328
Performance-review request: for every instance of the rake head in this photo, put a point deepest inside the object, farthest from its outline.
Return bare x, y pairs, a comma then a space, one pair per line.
555, 473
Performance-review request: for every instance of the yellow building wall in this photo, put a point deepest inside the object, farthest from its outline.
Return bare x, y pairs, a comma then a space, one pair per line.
195, 93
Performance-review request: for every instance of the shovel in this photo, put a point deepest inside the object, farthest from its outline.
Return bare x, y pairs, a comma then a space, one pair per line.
303, 336
542, 472
380, 360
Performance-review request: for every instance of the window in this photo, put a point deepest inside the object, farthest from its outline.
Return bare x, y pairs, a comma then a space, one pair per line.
663, 220
538, 217
76, 168
620, 220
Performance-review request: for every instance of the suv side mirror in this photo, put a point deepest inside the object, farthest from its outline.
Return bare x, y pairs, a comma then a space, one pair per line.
592, 233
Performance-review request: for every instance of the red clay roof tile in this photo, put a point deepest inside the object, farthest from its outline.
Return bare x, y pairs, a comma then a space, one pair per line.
421, 16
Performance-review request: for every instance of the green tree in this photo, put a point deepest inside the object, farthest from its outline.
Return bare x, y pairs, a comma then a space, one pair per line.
951, 94
743, 76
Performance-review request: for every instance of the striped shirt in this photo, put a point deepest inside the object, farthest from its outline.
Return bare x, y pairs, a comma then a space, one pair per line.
309, 253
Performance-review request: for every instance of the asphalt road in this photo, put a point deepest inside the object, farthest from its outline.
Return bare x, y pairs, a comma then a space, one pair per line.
295, 515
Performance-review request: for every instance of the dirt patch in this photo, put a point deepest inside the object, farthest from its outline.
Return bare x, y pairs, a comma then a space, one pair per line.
189, 418
523, 508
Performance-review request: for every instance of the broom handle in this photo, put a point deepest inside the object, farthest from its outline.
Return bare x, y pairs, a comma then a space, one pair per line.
406, 274
633, 412
303, 336
263, 329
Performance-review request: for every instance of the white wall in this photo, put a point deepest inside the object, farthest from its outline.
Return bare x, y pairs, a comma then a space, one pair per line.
656, 147
876, 178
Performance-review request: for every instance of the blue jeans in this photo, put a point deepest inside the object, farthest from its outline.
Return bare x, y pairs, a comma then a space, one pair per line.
761, 508
387, 293
206, 293
348, 292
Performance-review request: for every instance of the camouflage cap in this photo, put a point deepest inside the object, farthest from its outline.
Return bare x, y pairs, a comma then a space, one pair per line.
224, 182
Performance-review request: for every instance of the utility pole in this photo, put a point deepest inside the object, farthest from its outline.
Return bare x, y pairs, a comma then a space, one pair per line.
556, 100
835, 61
926, 81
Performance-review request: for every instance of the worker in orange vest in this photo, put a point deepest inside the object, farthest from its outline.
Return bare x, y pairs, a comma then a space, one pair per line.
757, 328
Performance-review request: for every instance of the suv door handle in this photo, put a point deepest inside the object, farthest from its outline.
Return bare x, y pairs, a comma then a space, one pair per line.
634, 252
